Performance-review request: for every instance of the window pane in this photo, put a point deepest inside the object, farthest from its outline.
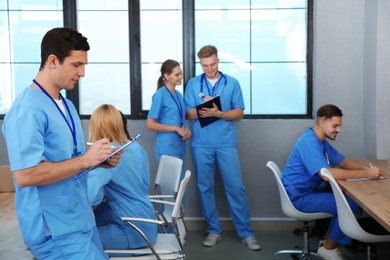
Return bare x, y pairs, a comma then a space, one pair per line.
278, 4
227, 30
107, 77
281, 30
161, 39
221, 4
34, 5
105, 84
21, 31
28, 29
160, 5
101, 5
263, 45
276, 94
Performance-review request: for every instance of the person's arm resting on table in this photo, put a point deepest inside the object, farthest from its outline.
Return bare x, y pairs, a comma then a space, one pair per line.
351, 169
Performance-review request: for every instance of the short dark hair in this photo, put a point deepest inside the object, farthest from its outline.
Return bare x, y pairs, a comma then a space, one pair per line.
328, 111
60, 42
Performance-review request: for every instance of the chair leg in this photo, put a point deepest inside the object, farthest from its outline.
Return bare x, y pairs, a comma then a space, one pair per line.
303, 253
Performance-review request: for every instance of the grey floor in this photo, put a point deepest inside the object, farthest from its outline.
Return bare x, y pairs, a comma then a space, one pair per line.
231, 248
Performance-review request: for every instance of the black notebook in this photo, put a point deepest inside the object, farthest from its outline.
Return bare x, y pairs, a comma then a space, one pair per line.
205, 121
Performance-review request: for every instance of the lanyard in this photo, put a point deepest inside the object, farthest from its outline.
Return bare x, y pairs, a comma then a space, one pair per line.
180, 108
204, 80
73, 128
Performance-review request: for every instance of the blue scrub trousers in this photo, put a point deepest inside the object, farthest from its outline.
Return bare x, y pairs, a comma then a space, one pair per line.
75, 246
230, 170
325, 202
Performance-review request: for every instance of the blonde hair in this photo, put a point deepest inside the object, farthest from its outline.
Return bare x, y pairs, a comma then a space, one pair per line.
106, 122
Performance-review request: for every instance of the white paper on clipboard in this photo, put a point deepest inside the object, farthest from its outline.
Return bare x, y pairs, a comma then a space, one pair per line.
108, 157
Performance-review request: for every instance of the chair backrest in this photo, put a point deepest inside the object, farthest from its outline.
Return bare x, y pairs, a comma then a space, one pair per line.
347, 220
176, 212
168, 175
287, 207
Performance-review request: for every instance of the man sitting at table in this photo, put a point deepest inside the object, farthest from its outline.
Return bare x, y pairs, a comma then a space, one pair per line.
304, 183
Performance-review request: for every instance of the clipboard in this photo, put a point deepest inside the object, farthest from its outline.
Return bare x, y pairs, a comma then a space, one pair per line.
205, 121
112, 154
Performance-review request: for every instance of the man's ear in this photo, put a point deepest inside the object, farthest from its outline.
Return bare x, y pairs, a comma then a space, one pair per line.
51, 60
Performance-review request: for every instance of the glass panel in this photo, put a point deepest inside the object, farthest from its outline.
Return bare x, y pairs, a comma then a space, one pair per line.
150, 74
107, 79
227, 30
108, 37
105, 84
161, 39
161, 34
5, 53
281, 30
35, 5
27, 31
222, 4
6, 89
160, 5
273, 94
278, 3
102, 5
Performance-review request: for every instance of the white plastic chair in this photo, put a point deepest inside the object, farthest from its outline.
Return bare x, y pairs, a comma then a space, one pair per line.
165, 187
347, 220
167, 246
290, 211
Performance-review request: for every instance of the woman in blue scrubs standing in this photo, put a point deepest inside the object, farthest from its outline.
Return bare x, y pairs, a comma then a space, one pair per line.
167, 114
124, 190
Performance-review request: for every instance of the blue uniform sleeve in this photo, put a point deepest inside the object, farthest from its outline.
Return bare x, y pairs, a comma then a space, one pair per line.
95, 184
189, 94
237, 97
157, 104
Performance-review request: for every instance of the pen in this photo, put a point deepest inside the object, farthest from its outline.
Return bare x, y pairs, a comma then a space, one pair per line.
89, 143
371, 165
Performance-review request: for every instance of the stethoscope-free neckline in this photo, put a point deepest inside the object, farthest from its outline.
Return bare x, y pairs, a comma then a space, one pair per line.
203, 79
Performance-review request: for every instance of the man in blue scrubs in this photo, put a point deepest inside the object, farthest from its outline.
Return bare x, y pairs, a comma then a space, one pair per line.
217, 142
304, 183
46, 151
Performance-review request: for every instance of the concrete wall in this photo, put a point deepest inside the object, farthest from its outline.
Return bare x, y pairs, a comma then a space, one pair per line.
351, 63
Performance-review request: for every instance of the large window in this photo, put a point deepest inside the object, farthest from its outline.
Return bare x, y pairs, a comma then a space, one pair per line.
265, 44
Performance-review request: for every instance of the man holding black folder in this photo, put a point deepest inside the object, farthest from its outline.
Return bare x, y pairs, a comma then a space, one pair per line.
214, 101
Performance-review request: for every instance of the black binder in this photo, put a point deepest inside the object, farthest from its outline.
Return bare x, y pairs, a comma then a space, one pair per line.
205, 121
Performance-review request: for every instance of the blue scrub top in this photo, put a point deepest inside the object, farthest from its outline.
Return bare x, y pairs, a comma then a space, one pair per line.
35, 131
126, 192
168, 112
308, 157
221, 133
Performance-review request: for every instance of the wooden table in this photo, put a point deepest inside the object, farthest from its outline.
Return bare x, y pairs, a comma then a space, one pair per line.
374, 195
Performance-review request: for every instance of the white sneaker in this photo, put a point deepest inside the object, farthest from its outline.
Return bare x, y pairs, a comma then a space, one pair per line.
330, 254
343, 250
212, 239
251, 243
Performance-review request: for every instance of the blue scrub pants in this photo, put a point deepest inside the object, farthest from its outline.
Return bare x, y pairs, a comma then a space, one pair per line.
230, 170
75, 246
325, 202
